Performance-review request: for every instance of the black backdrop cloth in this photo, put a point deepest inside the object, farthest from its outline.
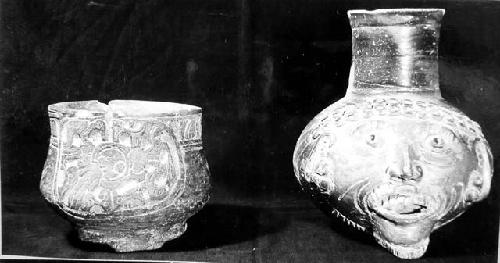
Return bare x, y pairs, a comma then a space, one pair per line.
260, 70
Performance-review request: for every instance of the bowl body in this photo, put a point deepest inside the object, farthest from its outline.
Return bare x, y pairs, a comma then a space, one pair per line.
128, 174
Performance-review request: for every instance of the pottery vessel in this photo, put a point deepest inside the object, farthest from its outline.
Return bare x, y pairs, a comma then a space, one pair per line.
128, 174
392, 158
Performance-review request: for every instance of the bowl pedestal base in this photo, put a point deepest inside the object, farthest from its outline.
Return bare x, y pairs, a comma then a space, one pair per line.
130, 240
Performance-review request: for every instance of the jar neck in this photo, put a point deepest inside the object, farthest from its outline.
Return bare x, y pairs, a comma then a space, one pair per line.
395, 51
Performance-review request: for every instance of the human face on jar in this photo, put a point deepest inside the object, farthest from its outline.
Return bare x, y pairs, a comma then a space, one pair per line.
404, 177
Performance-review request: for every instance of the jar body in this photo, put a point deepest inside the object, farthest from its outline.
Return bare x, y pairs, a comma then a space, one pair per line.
392, 158
127, 181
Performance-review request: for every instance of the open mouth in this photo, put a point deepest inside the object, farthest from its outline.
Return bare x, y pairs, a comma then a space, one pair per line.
401, 204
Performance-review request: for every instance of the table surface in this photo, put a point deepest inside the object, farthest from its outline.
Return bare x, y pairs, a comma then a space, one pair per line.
261, 228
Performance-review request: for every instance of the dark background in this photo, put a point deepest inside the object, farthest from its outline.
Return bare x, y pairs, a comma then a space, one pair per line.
260, 69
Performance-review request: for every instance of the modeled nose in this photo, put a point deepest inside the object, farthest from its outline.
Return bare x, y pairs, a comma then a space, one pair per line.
401, 166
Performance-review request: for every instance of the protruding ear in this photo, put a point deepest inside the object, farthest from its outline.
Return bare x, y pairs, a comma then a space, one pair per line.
480, 179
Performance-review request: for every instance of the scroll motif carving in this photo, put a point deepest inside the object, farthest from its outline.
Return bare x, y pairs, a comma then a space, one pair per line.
139, 168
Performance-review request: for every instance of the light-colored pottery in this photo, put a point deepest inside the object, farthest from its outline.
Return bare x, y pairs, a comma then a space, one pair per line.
392, 158
128, 174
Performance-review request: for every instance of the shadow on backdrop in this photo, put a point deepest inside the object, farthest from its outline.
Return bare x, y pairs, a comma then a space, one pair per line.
216, 225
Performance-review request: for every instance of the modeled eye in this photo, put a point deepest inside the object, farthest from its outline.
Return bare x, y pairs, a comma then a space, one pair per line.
372, 140
440, 147
436, 143
368, 139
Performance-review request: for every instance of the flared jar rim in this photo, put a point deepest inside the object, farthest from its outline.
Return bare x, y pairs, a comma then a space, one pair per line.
397, 16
